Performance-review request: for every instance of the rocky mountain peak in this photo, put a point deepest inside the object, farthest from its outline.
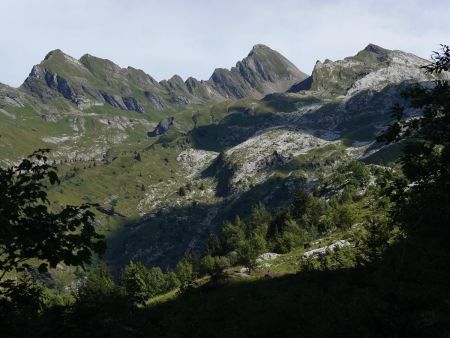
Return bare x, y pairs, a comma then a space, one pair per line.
57, 58
99, 65
259, 48
370, 69
375, 49
263, 71
176, 79
53, 53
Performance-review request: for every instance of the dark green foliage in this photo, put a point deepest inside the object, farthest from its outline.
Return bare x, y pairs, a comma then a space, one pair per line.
344, 216
259, 219
277, 223
98, 287
135, 280
156, 281
21, 301
233, 235
141, 283
301, 203
351, 175
184, 272
214, 247
214, 265
302, 216
246, 239
307, 210
101, 307
441, 60
249, 251
358, 172
172, 281
31, 230
301, 221
293, 236
207, 264
377, 238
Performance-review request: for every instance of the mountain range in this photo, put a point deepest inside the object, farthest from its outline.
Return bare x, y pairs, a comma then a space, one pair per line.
169, 161
92, 81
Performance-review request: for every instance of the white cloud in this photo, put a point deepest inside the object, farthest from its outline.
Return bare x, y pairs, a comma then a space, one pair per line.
194, 37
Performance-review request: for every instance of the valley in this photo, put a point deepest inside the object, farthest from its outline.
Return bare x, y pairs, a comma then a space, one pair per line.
224, 169
219, 155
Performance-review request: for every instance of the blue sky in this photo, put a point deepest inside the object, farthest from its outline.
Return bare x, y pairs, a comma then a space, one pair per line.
191, 38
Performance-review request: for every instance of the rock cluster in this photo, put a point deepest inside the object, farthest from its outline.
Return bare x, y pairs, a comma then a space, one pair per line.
323, 250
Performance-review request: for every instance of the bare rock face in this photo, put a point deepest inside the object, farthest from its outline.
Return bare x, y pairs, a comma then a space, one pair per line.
303, 85
163, 126
55, 82
124, 103
262, 72
156, 101
114, 100
132, 104
180, 100
10, 97
194, 160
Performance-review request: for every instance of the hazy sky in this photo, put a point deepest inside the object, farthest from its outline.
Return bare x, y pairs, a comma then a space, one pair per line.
194, 37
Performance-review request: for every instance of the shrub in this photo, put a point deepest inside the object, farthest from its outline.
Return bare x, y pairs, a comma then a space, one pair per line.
184, 273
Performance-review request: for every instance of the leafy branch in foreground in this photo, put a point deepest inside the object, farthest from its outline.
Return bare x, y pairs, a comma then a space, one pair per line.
422, 196
441, 60
30, 229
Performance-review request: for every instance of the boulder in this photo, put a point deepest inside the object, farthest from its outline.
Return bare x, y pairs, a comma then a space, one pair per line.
266, 257
323, 250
